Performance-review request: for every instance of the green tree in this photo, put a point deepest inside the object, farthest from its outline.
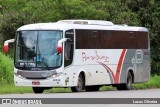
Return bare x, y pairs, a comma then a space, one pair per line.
148, 12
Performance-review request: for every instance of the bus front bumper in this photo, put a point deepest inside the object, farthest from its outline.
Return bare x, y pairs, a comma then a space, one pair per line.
49, 82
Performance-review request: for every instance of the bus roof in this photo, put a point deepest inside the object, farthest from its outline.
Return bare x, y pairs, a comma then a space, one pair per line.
81, 24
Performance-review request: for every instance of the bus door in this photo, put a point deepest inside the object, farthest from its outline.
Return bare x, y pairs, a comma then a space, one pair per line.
69, 47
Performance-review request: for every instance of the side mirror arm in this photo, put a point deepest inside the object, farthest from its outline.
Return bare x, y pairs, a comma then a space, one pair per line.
59, 47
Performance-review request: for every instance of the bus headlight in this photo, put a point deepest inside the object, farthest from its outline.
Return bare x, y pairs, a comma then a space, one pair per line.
55, 75
19, 76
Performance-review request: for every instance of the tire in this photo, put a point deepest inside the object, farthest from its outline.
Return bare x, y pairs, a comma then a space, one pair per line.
127, 85
80, 85
38, 90
92, 88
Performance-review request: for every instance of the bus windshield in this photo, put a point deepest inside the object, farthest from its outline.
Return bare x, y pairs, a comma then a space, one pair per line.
37, 49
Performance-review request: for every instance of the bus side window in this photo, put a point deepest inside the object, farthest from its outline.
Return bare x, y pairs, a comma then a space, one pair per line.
68, 48
68, 53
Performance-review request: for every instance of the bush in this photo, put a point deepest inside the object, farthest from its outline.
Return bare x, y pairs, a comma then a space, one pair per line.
154, 82
6, 69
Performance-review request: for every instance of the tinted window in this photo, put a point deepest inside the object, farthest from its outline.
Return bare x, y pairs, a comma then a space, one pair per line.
101, 39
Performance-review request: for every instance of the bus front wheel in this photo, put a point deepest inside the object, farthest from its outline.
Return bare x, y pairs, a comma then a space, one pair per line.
38, 90
80, 84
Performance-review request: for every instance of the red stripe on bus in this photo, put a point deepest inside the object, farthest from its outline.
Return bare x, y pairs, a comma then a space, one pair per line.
120, 63
109, 69
119, 66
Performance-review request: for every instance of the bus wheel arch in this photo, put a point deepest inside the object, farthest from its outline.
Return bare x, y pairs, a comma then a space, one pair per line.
80, 83
129, 80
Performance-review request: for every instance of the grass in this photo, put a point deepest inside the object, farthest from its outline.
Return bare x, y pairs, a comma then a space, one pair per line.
154, 82
6, 69
7, 86
10, 88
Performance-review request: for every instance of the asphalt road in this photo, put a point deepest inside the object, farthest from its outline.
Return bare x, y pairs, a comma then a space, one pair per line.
151, 93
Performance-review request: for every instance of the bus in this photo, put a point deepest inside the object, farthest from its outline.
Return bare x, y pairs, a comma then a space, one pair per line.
81, 54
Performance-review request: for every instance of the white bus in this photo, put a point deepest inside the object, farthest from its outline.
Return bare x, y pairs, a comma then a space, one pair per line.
81, 54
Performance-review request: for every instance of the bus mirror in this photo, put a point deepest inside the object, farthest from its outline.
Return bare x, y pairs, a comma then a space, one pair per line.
59, 46
6, 43
5, 48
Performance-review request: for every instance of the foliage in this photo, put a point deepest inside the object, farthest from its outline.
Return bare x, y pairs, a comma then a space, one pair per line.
148, 12
15, 13
154, 82
6, 69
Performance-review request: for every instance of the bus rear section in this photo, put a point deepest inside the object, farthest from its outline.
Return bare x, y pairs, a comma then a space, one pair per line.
110, 57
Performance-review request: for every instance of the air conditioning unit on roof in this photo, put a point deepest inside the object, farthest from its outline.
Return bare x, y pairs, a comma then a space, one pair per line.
88, 22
